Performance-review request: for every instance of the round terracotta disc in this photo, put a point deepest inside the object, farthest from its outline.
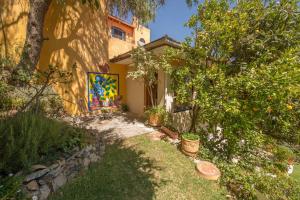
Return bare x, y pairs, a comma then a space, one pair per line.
208, 170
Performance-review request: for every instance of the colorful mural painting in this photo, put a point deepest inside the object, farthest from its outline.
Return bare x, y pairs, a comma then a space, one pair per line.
103, 90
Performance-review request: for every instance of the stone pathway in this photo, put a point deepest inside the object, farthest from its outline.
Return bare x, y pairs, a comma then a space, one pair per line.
119, 126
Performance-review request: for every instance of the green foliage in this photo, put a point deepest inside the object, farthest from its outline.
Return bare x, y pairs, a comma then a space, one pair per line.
241, 72
190, 136
157, 110
146, 69
29, 138
10, 188
23, 91
241, 75
283, 153
145, 10
252, 177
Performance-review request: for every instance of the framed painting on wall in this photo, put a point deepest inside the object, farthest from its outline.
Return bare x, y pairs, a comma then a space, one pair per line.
103, 90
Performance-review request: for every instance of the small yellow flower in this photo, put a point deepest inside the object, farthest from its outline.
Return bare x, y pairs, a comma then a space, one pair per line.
289, 107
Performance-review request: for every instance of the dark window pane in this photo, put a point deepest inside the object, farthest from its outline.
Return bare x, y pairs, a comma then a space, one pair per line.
118, 33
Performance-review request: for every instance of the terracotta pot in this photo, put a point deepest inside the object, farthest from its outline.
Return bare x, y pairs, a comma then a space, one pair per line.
170, 133
190, 147
154, 120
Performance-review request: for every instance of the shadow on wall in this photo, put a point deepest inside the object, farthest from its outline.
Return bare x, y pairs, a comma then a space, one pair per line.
13, 20
124, 173
75, 34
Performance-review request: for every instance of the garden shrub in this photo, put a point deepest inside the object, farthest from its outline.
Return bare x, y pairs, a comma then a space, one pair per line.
240, 75
253, 177
30, 138
10, 188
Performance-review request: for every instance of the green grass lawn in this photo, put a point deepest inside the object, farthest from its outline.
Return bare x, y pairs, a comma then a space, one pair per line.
296, 173
139, 168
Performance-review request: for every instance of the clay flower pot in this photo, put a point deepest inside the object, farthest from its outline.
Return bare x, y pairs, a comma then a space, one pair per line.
190, 147
154, 120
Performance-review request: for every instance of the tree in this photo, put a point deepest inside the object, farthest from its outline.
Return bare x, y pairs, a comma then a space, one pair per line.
241, 70
142, 9
235, 70
146, 66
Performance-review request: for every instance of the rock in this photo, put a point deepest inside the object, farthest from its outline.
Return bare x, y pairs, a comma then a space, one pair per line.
89, 148
52, 167
86, 162
71, 176
94, 157
61, 162
17, 174
32, 186
37, 167
55, 172
35, 197
44, 192
36, 175
208, 170
58, 182
42, 182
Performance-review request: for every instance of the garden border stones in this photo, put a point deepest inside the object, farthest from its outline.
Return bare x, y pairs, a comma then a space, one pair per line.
45, 180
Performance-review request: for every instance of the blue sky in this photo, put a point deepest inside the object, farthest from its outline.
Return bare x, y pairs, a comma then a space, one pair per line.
170, 20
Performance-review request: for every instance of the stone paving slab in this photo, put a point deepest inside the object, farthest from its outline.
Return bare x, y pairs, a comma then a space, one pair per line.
119, 126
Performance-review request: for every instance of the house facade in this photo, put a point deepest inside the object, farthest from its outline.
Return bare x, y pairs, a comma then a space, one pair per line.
98, 44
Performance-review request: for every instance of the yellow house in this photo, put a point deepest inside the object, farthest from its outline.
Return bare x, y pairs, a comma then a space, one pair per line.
99, 45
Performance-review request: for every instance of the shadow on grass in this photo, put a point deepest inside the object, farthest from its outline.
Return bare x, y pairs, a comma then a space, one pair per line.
123, 173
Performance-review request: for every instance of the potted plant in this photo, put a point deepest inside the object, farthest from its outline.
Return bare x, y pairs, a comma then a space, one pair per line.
190, 143
155, 115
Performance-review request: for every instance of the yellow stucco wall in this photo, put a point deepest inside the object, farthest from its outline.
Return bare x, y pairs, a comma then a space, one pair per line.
135, 95
122, 71
13, 20
134, 32
75, 34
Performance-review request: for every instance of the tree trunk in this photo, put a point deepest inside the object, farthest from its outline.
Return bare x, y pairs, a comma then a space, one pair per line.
34, 34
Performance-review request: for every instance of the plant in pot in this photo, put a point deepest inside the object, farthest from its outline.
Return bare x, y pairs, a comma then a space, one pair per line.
155, 115
190, 143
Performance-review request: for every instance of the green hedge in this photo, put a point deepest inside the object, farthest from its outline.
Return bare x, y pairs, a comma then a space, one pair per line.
29, 138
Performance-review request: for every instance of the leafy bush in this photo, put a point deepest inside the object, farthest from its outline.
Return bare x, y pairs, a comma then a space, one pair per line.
252, 177
28, 138
10, 188
190, 136
283, 154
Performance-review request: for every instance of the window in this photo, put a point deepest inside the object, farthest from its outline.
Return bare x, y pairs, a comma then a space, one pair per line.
118, 33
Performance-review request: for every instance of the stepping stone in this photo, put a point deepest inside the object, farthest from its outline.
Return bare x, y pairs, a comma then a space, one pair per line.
156, 136
208, 170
